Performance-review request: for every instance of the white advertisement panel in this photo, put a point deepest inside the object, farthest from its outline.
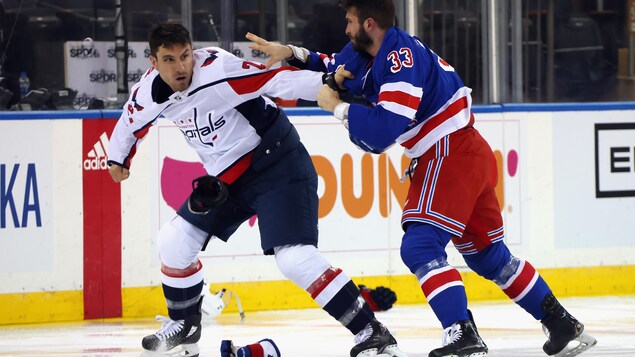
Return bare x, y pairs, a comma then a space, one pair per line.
503, 134
615, 159
26, 196
91, 66
594, 180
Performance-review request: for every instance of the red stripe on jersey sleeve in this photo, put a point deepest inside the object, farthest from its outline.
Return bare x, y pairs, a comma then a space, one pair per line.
436, 281
400, 97
323, 281
253, 83
141, 133
323, 57
131, 154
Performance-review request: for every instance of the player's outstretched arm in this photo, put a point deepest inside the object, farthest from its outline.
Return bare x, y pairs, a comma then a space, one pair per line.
277, 52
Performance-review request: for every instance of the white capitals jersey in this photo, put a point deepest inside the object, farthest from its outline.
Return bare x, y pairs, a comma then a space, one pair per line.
222, 114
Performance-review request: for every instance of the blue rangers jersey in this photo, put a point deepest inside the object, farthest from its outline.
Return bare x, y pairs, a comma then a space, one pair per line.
417, 98
222, 114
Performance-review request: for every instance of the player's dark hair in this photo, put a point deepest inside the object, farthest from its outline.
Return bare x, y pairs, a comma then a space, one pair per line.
167, 34
382, 11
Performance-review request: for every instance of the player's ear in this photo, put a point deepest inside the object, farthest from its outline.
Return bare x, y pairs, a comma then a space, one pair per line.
369, 23
154, 61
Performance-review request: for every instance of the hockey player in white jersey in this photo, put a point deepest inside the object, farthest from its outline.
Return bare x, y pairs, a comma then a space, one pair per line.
255, 163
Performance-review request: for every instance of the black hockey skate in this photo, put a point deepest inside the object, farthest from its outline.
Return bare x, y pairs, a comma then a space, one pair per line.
562, 328
174, 333
461, 340
376, 340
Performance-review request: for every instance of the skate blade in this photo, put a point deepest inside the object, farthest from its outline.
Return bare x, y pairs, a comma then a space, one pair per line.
389, 351
392, 351
191, 350
578, 345
475, 354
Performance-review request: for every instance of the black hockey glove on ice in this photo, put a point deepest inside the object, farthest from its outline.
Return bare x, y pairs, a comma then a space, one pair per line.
378, 299
207, 193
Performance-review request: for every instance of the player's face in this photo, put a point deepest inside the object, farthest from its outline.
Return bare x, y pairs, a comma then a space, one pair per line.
175, 65
356, 32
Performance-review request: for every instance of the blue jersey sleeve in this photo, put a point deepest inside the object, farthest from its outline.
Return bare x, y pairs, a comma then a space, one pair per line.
374, 129
399, 85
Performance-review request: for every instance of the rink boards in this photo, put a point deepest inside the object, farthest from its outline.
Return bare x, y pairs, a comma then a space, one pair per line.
77, 246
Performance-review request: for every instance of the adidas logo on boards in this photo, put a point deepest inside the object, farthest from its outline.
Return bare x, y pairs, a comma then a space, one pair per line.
97, 156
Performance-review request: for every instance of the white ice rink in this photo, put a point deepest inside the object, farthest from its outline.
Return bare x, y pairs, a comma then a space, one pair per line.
507, 330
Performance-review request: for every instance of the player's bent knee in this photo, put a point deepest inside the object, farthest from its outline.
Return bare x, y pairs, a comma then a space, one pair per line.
301, 264
164, 239
422, 244
179, 243
491, 262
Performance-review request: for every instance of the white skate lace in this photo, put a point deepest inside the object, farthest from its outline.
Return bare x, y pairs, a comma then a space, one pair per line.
169, 327
364, 334
451, 334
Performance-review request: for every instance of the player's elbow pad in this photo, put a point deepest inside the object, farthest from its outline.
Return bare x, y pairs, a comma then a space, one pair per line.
372, 148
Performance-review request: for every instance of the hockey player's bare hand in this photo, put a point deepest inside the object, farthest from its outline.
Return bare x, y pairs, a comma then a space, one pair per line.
340, 74
327, 98
118, 173
276, 51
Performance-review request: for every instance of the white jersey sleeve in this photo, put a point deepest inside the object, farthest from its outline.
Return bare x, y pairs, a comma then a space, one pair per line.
249, 80
139, 114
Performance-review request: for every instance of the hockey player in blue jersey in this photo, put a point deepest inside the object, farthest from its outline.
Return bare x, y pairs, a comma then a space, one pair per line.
401, 92
255, 163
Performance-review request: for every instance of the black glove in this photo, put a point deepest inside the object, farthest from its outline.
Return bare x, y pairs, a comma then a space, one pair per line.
207, 193
378, 299
329, 80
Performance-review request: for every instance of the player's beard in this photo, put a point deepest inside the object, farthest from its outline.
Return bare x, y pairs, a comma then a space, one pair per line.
361, 41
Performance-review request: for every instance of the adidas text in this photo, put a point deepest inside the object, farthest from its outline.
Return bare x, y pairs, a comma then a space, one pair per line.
98, 163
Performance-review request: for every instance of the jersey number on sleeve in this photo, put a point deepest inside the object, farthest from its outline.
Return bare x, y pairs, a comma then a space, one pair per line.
397, 63
248, 64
